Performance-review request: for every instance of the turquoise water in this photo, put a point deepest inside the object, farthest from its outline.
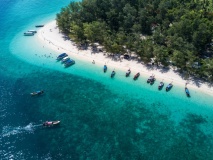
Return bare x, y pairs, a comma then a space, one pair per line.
101, 118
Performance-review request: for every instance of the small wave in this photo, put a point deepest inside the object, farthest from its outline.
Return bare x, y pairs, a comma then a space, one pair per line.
8, 130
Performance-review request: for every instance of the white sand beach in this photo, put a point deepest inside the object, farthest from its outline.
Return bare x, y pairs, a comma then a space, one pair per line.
50, 37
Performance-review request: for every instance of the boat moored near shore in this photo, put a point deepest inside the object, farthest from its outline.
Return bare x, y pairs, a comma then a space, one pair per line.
128, 73
112, 74
151, 79
28, 34
136, 76
33, 31
169, 87
65, 59
105, 68
160, 86
61, 56
187, 92
69, 62
39, 26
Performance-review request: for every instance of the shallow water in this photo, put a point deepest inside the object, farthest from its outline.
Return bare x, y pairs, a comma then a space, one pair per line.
101, 118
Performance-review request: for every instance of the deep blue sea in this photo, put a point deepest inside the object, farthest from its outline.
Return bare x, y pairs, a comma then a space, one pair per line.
101, 118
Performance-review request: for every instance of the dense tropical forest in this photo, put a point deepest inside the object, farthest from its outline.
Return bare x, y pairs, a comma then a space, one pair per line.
175, 33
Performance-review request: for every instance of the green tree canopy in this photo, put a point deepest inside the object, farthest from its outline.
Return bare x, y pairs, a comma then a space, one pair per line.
175, 31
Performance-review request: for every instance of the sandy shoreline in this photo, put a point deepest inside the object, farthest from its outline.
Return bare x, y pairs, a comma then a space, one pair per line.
50, 37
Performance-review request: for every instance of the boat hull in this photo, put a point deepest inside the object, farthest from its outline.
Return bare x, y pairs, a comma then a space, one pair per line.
51, 123
39, 26
169, 87
160, 85
152, 81
32, 31
56, 122
136, 76
69, 63
105, 68
61, 56
28, 34
187, 92
128, 73
113, 74
37, 93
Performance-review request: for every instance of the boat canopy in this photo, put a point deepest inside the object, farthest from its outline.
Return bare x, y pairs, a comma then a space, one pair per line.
61, 55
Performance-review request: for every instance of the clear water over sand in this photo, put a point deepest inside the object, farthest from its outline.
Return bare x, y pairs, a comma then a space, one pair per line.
101, 118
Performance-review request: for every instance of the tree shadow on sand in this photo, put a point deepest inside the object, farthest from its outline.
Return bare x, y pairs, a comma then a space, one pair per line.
151, 67
194, 80
185, 76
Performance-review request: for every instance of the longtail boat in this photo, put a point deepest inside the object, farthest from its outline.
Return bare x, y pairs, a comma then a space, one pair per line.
136, 76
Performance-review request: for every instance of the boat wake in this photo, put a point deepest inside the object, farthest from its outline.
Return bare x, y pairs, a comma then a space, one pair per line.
8, 130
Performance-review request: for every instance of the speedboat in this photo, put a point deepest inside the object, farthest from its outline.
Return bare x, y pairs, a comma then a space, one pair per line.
187, 92
136, 76
128, 73
36, 93
69, 63
33, 31
170, 85
105, 68
112, 74
51, 123
160, 86
39, 26
28, 34
61, 56
65, 59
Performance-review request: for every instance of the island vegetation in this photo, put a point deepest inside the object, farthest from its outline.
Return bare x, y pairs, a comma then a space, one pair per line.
167, 33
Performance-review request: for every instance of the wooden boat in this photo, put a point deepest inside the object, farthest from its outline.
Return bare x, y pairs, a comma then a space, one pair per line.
128, 73
39, 26
148, 80
170, 85
105, 68
36, 93
160, 86
112, 74
136, 76
187, 92
61, 56
151, 80
51, 123
69, 63
28, 34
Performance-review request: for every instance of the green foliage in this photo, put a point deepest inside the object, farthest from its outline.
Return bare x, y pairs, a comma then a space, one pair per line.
176, 31
95, 31
161, 55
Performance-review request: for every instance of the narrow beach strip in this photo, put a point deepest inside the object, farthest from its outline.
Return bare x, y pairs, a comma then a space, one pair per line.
50, 37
